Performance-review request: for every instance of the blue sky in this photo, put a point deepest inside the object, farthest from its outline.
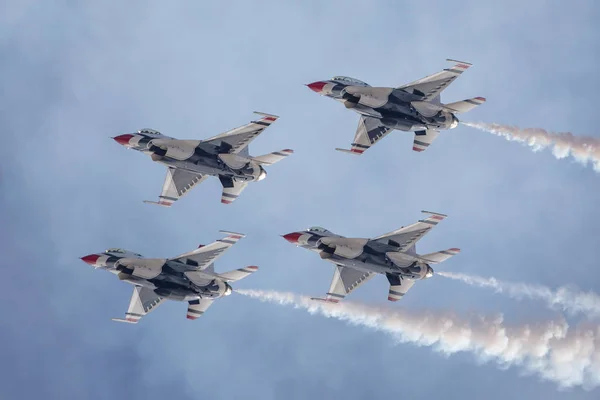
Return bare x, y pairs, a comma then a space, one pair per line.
74, 75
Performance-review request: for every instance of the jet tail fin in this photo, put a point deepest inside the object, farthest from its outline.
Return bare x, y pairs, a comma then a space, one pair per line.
274, 157
439, 256
464, 105
238, 274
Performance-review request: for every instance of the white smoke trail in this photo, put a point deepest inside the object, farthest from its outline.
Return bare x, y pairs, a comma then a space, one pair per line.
567, 356
567, 299
584, 149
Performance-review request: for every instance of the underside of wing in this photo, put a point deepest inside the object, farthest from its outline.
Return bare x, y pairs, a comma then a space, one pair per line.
143, 300
177, 183
431, 86
369, 132
238, 139
406, 237
344, 281
196, 308
204, 256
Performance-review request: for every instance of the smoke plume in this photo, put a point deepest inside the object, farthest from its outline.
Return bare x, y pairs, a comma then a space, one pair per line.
567, 299
552, 350
583, 149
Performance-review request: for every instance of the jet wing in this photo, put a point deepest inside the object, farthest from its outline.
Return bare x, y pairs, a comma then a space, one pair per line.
345, 280
398, 286
424, 138
369, 132
232, 191
238, 139
406, 237
198, 307
203, 257
431, 86
177, 183
143, 300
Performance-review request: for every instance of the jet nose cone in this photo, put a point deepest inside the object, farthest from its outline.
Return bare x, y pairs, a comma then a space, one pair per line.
316, 86
292, 237
123, 139
90, 259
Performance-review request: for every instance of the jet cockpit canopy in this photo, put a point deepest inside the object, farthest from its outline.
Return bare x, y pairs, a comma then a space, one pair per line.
349, 81
115, 250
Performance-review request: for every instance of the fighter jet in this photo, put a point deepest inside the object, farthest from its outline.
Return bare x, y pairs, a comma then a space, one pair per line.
415, 106
357, 260
189, 277
189, 162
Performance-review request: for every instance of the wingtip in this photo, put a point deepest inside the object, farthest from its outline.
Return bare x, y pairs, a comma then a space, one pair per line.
434, 213
266, 114
457, 61
233, 233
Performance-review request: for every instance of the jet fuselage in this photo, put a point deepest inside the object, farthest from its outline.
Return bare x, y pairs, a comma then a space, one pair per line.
167, 278
193, 155
394, 109
361, 254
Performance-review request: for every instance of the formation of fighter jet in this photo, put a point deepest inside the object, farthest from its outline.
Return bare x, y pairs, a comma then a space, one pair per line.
189, 162
357, 260
415, 106
189, 277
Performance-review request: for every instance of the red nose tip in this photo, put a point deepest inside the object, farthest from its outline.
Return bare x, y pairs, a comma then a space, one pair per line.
90, 259
123, 139
317, 86
292, 237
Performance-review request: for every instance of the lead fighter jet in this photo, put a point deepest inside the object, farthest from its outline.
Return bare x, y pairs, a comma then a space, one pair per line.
358, 260
415, 106
189, 162
189, 277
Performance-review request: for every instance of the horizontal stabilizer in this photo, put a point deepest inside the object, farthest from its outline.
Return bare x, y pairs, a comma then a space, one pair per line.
439, 256
274, 157
163, 204
124, 320
398, 287
424, 138
238, 274
330, 301
348, 151
464, 105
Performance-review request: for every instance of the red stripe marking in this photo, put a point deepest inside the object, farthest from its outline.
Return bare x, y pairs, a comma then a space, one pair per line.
462, 66
455, 249
287, 151
253, 267
190, 317
234, 236
357, 151
269, 118
417, 149
392, 299
225, 201
131, 320
438, 217
332, 300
